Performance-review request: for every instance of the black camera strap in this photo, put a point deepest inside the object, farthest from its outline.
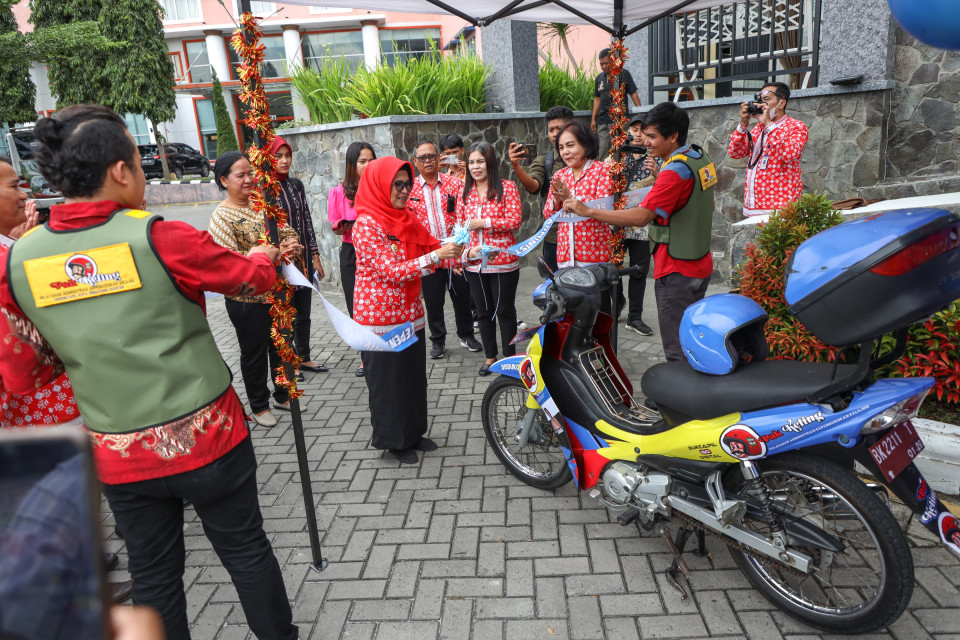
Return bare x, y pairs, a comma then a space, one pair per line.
754, 161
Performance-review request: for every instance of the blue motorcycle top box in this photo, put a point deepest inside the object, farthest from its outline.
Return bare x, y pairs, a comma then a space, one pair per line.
868, 277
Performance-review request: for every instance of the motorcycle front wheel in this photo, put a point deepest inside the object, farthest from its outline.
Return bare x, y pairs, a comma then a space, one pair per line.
540, 462
865, 586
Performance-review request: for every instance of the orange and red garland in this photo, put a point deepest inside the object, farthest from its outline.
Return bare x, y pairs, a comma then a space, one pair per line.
266, 192
618, 137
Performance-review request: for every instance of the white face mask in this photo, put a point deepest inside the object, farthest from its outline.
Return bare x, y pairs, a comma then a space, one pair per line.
773, 111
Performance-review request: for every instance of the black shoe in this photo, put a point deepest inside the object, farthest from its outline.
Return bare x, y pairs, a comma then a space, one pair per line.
425, 444
640, 327
121, 591
110, 561
471, 343
300, 377
437, 352
485, 369
359, 372
405, 456
315, 369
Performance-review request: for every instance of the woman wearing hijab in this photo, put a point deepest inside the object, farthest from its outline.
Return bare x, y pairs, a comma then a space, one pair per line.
393, 251
293, 199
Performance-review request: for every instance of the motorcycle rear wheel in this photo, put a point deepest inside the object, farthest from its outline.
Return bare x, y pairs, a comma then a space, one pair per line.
540, 463
863, 588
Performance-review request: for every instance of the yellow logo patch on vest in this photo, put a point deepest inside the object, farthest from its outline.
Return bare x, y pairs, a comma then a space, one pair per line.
77, 276
708, 176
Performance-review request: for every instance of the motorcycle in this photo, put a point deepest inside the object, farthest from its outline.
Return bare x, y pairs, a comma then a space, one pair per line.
759, 453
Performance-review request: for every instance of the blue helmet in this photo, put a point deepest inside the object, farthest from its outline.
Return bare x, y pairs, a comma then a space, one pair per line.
721, 331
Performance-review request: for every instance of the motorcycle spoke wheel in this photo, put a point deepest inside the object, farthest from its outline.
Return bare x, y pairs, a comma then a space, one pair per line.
864, 586
540, 462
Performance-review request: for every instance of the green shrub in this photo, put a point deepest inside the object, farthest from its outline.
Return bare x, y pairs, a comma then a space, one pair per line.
324, 92
569, 87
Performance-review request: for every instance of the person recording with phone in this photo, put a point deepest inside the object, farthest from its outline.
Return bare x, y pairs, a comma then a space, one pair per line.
433, 202
536, 179
451, 156
773, 149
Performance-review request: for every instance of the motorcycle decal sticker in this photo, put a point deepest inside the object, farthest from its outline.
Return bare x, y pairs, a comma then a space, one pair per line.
773, 435
705, 452
798, 425
742, 442
928, 496
528, 375
949, 528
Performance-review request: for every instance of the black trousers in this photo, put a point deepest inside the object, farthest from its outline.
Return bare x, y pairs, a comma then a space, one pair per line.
639, 251
302, 300
550, 254
675, 293
397, 385
495, 294
348, 272
252, 322
224, 494
435, 288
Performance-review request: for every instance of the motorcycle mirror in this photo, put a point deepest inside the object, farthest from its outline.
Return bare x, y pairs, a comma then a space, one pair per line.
543, 269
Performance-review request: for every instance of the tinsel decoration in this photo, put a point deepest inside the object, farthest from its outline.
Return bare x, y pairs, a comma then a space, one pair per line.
618, 137
266, 192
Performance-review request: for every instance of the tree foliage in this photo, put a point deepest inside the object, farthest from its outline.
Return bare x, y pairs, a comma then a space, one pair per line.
67, 38
226, 134
17, 91
140, 70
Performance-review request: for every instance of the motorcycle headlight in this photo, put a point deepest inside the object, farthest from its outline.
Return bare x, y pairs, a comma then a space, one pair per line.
900, 412
577, 277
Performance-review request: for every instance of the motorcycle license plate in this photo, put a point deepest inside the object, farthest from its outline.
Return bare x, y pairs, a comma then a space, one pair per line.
896, 450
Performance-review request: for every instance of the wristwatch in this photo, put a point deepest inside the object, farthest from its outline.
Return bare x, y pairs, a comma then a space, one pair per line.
434, 258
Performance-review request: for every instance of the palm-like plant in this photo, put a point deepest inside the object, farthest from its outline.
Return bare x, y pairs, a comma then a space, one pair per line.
560, 32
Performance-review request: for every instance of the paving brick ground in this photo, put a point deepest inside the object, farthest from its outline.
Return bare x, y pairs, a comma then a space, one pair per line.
455, 547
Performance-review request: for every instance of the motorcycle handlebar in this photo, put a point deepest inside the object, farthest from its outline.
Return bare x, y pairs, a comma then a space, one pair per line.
548, 310
629, 271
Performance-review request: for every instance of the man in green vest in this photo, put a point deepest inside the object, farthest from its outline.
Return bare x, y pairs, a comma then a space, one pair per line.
679, 210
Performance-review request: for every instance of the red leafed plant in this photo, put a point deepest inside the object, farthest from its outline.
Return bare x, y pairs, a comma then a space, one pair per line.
761, 276
933, 350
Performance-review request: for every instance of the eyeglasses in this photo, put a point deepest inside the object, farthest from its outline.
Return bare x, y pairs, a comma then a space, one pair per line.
403, 185
427, 157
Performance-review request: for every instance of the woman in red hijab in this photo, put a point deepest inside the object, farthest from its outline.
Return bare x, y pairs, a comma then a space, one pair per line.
393, 251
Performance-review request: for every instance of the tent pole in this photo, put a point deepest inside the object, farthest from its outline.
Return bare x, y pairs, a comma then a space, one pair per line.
617, 157
581, 15
319, 562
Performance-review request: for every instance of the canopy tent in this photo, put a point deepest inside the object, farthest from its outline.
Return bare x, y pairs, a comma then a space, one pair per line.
609, 15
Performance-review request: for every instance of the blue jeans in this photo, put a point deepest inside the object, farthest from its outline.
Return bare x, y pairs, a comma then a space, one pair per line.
149, 514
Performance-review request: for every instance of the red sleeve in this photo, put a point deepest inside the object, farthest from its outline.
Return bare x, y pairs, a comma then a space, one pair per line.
197, 263
669, 193
510, 215
739, 144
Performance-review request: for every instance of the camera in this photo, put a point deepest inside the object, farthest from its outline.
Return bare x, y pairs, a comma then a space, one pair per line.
755, 108
633, 146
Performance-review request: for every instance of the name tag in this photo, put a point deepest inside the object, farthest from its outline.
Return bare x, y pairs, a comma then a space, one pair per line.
763, 163
77, 276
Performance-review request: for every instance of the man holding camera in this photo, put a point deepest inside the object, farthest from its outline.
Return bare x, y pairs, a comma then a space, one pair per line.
772, 148
433, 201
537, 178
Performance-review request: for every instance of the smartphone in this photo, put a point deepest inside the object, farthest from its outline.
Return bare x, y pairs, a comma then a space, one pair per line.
52, 582
529, 152
450, 160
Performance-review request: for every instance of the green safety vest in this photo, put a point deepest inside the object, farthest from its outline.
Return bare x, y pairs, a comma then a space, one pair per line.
688, 231
138, 352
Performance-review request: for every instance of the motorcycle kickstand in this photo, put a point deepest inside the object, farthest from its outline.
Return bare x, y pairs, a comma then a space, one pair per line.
678, 564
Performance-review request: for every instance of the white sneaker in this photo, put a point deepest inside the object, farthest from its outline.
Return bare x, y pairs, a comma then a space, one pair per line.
265, 419
286, 406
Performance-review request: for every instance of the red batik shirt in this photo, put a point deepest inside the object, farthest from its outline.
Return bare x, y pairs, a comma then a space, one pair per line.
197, 264
500, 220
773, 171
380, 299
429, 205
587, 241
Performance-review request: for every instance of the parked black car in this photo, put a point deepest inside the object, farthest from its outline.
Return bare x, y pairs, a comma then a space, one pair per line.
181, 158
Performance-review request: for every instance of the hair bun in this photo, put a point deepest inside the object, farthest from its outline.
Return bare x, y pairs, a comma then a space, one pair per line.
49, 131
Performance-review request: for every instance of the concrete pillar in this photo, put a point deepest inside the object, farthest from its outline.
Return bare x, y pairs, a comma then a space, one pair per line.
371, 43
293, 51
856, 38
217, 53
510, 48
638, 48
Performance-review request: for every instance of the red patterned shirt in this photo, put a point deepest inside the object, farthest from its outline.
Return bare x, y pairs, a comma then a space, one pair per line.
383, 271
196, 264
500, 220
774, 178
429, 205
588, 241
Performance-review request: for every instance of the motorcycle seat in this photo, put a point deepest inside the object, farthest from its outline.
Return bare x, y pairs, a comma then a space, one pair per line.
768, 383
